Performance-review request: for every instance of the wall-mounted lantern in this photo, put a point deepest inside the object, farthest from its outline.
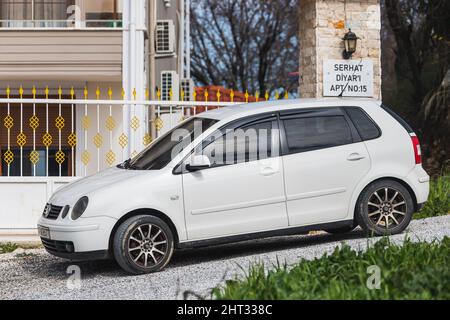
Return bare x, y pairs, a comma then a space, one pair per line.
350, 43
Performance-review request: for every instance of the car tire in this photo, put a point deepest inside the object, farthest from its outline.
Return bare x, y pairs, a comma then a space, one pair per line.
384, 208
342, 230
143, 245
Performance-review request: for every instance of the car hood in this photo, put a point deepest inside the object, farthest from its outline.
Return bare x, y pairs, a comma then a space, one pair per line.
70, 194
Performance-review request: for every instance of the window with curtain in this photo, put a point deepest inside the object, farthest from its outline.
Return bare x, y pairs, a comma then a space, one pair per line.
51, 13
13, 13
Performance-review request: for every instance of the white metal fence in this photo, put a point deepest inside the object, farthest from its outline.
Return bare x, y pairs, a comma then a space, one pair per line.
73, 138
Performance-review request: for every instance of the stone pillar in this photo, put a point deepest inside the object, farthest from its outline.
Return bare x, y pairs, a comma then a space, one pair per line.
323, 24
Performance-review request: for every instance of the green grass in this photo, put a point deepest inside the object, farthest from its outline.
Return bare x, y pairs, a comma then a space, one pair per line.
439, 200
412, 271
8, 247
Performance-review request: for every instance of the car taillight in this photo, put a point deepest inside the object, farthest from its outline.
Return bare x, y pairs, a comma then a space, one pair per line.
417, 149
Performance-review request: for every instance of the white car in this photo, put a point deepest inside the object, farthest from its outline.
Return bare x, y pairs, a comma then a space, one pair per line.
295, 166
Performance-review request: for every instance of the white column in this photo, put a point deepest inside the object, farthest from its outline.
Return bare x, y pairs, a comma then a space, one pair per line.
133, 72
188, 39
182, 40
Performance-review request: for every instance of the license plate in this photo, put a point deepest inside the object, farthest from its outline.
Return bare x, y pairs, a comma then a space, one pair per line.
44, 232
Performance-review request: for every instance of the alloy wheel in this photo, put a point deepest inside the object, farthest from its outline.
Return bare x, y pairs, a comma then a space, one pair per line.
147, 245
387, 208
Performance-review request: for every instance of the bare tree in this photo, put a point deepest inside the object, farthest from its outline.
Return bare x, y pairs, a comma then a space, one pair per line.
422, 52
247, 45
421, 31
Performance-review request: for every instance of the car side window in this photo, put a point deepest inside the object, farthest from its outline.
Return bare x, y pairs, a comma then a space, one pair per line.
313, 133
366, 127
247, 143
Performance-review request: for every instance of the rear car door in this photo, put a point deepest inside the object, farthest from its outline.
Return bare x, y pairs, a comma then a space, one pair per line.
324, 159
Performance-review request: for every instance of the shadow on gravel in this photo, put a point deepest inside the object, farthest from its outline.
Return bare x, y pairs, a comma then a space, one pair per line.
46, 266
55, 268
269, 245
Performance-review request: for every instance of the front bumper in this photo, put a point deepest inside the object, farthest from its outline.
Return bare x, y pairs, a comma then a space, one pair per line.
65, 250
84, 239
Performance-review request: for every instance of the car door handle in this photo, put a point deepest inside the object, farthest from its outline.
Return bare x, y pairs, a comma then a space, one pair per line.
355, 157
268, 171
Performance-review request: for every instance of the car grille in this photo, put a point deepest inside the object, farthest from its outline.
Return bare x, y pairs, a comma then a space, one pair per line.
55, 211
57, 246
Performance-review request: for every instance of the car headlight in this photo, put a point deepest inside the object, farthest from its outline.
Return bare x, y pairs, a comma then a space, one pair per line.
79, 208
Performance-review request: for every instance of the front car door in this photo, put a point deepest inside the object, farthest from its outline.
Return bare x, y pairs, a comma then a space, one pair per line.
324, 159
243, 191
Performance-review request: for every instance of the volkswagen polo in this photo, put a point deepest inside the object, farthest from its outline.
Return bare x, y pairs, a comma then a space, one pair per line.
245, 172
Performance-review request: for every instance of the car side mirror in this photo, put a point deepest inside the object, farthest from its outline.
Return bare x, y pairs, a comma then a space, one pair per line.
197, 163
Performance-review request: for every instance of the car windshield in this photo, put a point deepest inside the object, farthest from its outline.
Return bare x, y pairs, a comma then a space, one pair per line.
160, 153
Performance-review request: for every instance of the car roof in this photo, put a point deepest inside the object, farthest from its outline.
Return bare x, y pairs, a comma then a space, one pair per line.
242, 110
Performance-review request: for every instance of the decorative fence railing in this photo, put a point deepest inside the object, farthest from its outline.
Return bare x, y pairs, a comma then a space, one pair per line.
55, 134
69, 137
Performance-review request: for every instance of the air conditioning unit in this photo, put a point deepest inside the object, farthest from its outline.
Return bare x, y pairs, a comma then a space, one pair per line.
188, 87
165, 37
170, 82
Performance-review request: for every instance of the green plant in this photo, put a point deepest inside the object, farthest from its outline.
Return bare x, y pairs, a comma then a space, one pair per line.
8, 247
439, 200
411, 271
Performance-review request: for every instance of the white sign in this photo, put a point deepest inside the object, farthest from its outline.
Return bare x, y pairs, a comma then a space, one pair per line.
348, 78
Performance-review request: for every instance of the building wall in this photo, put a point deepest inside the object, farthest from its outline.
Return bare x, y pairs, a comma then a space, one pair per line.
60, 54
170, 13
323, 24
23, 201
168, 62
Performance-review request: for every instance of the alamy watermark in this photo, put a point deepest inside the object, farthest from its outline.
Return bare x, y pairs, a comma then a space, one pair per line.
74, 281
374, 280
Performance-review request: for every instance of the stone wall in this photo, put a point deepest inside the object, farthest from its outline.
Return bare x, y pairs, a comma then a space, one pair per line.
323, 24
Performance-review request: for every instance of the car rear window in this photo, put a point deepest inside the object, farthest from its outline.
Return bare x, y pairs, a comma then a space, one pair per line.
307, 134
366, 127
399, 119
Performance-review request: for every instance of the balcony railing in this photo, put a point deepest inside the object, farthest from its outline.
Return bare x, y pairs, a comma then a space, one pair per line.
60, 24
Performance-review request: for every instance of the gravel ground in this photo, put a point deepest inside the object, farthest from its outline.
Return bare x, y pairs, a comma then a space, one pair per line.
33, 274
